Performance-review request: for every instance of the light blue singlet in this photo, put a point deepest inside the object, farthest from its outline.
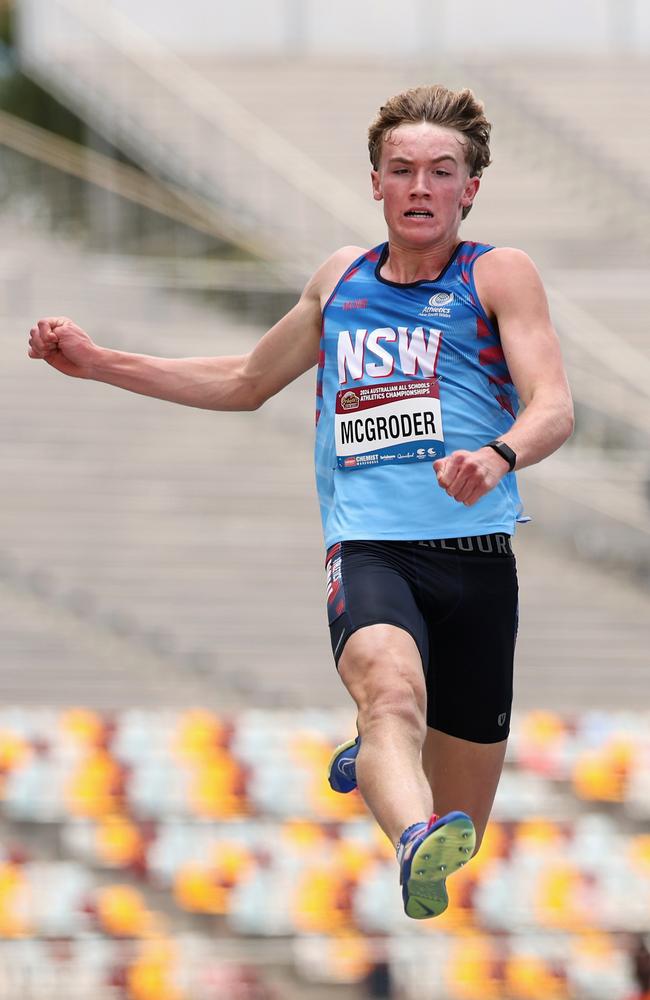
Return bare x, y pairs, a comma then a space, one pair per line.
407, 373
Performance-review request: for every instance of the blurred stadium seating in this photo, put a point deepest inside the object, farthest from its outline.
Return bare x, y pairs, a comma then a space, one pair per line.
547, 908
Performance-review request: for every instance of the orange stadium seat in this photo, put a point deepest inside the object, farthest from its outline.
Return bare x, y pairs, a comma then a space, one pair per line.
14, 751
95, 785
121, 912
198, 732
303, 837
539, 834
530, 977
151, 975
323, 900
217, 786
82, 726
601, 774
471, 972
639, 853
561, 897
118, 841
206, 888
542, 743
197, 891
14, 902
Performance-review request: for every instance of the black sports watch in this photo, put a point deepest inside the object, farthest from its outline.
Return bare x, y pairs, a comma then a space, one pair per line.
505, 452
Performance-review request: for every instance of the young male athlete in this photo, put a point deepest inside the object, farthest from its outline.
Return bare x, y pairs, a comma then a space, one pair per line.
427, 346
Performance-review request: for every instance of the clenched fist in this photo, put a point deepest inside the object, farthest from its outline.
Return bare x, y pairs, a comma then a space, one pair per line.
468, 475
64, 345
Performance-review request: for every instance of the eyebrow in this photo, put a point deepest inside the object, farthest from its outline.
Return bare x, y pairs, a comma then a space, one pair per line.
435, 159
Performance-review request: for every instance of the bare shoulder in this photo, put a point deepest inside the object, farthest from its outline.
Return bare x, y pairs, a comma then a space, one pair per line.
506, 276
326, 277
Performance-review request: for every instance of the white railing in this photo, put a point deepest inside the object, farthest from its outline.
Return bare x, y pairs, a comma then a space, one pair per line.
116, 72
271, 191
165, 198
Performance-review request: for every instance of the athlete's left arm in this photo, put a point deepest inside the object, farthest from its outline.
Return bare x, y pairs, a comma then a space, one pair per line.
511, 292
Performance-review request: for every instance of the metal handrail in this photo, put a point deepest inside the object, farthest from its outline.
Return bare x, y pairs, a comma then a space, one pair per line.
255, 138
251, 136
134, 185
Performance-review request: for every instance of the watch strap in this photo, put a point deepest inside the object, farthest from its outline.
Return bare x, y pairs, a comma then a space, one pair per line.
505, 451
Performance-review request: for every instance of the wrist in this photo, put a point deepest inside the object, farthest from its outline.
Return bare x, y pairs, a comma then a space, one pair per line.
504, 451
101, 363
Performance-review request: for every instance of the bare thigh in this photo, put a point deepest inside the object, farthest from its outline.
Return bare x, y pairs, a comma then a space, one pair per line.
463, 775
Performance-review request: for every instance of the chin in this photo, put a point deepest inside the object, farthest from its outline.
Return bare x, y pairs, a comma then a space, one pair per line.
421, 236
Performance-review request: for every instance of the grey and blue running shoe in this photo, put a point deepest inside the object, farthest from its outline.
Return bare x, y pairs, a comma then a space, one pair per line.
342, 773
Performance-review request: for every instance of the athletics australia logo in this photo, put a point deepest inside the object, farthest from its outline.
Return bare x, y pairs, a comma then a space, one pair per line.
439, 304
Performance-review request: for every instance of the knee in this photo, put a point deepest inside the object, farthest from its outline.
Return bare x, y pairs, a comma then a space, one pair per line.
386, 681
396, 701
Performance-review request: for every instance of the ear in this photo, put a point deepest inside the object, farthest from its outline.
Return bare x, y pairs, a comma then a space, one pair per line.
470, 191
377, 192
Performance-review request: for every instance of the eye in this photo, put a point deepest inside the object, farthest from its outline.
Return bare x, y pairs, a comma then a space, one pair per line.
400, 170
443, 173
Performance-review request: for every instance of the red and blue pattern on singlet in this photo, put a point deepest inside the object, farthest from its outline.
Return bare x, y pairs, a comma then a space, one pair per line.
408, 372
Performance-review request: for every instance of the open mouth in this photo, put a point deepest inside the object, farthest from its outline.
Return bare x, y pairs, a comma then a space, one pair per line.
418, 213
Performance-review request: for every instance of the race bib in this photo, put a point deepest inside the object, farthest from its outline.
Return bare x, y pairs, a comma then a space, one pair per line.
388, 424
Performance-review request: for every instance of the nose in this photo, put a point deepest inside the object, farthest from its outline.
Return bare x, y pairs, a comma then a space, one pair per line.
419, 184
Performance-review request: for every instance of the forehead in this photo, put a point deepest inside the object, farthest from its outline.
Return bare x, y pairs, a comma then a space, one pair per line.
424, 141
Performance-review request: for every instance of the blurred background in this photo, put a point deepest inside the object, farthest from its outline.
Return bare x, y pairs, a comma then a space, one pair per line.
169, 176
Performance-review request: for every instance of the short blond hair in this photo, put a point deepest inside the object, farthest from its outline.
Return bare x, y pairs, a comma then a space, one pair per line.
454, 109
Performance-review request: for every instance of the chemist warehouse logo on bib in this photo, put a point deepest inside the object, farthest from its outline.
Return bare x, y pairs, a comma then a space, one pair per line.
439, 305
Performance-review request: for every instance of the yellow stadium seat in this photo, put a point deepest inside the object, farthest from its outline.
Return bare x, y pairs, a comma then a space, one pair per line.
83, 725
470, 973
198, 733
303, 836
14, 902
528, 977
323, 901
559, 894
151, 975
350, 958
118, 841
602, 774
121, 911
14, 751
541, 742
218, 789
230, 862
539, 834
95, 787
639, 852
198, 891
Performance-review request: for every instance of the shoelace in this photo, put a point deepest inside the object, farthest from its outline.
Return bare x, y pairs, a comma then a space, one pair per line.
406, 847
434, 819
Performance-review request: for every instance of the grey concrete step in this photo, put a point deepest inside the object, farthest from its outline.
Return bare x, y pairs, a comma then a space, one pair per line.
164, 555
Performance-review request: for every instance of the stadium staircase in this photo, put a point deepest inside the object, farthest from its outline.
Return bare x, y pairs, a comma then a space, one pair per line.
277, 147
159, 555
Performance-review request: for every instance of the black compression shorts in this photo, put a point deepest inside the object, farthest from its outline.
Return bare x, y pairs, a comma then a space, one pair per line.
457, 598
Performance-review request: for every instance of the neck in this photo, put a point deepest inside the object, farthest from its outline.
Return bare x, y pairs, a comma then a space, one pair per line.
406, 264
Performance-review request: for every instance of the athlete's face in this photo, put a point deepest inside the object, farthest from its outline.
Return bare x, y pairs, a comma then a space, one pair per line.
424, 183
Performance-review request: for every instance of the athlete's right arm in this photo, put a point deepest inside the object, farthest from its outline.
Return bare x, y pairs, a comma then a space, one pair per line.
240, 382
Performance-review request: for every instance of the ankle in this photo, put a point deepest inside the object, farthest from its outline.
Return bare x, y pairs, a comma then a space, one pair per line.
406, 836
